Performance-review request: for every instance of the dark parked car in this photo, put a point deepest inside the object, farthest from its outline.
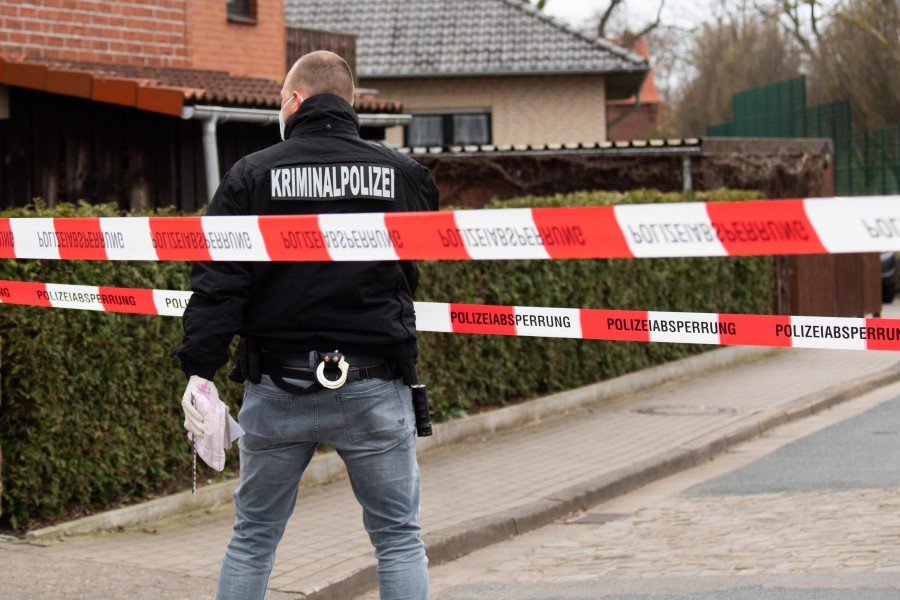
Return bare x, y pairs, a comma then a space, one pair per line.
888, 277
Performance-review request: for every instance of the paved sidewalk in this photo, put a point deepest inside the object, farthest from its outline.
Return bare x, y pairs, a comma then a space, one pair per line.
474, 494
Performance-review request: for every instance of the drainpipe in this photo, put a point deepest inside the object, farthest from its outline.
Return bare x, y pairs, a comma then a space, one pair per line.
213, 115
211, 155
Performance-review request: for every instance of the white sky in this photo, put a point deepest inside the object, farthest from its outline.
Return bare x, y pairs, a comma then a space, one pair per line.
639, 12
636, 14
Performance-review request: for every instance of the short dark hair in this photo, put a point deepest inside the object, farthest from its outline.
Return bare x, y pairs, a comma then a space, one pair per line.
322, 72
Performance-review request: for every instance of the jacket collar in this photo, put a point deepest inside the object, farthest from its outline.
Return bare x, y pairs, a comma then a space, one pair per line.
322, 112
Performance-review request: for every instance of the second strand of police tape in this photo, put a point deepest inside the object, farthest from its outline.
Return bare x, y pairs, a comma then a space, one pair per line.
574, 323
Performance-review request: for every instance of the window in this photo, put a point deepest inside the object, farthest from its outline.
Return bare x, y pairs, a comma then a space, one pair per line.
425, 130
451, 129
241, 11
471, 129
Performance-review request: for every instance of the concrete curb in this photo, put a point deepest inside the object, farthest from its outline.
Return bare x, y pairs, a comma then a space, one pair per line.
328, 467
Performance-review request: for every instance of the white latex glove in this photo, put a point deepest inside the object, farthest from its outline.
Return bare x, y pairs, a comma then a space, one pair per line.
193, 418
209, 425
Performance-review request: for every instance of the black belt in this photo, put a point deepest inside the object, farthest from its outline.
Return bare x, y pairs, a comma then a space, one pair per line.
297, 366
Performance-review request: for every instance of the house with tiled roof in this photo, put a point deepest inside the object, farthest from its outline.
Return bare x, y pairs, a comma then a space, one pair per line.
480, 71
145, 104
636, 117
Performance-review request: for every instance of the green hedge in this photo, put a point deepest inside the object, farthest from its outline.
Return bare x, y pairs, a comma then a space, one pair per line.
89, 401
474, 372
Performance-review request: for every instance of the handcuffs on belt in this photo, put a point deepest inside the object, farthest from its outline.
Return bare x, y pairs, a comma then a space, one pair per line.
332, 361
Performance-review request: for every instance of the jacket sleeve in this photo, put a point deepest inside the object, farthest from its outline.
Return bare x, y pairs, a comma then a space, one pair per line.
221, 290
411, 273
428, 191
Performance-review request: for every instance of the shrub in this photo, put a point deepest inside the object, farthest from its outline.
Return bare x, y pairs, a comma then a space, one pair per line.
89, 401
474, 372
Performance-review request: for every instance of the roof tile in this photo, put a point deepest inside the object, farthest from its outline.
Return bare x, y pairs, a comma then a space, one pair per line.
129, 85
464, 37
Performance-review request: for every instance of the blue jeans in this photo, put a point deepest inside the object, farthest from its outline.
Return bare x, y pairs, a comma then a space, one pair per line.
370, 423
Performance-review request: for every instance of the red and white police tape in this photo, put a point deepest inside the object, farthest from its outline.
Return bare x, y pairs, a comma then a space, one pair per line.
578, 323
804, 226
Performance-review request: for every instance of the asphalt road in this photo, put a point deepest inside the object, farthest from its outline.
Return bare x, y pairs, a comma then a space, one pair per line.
862, 452
808, 512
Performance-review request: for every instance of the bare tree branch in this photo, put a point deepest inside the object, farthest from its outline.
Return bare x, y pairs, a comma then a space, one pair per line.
682, 28
871, 30
790, 9
653, 25
814, 20
607, 14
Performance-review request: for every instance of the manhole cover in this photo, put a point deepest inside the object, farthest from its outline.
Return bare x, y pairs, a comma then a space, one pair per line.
596, 519
686, 411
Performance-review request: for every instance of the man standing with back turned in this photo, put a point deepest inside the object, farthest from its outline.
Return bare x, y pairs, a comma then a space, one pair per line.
328, 347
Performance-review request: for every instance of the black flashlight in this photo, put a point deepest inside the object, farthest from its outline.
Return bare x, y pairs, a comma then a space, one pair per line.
420, 409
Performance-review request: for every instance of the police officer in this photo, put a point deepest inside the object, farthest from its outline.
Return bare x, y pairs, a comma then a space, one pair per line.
324, 344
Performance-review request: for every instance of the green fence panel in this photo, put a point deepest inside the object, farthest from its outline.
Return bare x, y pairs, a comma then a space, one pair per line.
866, 162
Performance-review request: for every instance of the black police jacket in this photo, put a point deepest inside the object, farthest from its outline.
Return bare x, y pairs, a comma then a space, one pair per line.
353, 307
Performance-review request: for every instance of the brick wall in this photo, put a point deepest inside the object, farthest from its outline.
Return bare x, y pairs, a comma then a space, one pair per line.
639, 124
524, 110
141, 32
164, 33
256, 49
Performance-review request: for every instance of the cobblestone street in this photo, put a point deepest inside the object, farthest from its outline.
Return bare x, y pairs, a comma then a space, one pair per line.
726, 528
853, 532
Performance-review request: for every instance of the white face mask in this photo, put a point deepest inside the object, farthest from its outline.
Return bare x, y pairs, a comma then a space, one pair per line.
281, 115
